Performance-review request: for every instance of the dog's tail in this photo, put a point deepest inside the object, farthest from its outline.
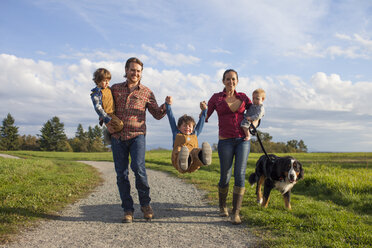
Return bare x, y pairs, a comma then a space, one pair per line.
253, 179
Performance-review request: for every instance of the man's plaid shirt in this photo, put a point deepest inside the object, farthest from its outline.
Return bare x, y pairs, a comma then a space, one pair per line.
130, 107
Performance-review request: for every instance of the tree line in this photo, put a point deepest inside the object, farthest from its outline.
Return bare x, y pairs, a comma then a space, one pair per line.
292, 146
53, 138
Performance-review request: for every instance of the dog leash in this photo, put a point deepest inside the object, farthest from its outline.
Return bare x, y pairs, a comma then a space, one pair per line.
266, 170
255, 132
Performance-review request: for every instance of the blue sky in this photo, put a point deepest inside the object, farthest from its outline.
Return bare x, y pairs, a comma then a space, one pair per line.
313, 58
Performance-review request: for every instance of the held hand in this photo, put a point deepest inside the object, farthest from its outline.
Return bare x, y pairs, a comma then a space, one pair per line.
169, 100
203, 105
110, 127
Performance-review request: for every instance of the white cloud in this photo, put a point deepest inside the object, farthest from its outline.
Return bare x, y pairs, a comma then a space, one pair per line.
342, 36
161, 46
220, 50
351, 47
365, 42
41, 52
110, 55
219, 64
35, 91
191, 47
170, 59
322, 92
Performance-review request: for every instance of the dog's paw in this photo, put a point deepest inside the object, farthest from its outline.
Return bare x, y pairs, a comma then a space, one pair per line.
259, 201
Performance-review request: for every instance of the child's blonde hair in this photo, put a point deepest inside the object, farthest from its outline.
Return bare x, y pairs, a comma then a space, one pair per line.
260, 92
100, 75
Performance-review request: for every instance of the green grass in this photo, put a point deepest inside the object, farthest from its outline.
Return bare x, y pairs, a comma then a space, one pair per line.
331, 206
67, 156
33, 189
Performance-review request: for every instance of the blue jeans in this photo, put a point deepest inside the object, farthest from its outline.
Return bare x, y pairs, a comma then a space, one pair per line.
227, 150
121, 150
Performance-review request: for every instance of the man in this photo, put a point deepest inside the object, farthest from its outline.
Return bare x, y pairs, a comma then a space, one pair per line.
131, 101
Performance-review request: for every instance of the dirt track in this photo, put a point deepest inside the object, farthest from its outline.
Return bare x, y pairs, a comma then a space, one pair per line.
182, 219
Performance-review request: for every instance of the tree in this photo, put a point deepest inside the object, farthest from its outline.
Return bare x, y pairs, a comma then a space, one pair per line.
97, 132
95, 139
90, 141
53, 137
279, 147
80, 142
266, 141
297, 146
9, 134
29, 142
80, 133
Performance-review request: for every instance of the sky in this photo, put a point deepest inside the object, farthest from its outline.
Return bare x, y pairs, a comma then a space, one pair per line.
313, 58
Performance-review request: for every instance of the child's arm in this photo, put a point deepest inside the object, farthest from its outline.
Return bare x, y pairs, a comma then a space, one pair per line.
172, 121
259, 113
97, 104
202, 116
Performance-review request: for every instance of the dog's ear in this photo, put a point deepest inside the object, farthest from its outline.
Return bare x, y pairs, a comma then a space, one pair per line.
301, 175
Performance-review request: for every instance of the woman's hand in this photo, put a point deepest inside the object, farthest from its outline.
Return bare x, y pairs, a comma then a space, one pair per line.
169, 100
203, 105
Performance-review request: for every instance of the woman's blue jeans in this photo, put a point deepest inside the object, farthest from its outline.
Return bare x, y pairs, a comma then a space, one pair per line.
227, 150
121, 150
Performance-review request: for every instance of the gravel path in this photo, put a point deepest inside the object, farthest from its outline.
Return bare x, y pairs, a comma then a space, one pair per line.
182, 219
8, 156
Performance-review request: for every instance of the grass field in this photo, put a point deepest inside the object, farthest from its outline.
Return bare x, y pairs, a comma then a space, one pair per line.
331, 206
35, 188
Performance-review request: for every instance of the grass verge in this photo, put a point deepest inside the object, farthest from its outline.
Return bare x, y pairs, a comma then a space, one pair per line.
331, 206
33, 189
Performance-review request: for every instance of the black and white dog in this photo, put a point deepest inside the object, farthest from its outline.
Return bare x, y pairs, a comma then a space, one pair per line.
281, 173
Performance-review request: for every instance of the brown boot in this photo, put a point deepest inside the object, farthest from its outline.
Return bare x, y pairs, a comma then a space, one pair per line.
128, 217
222, 195
238, 194
147, 212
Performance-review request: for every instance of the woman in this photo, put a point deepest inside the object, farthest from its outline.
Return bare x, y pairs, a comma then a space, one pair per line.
230, 106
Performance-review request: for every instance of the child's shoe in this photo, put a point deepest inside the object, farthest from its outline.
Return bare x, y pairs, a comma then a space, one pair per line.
206, 153
183, 158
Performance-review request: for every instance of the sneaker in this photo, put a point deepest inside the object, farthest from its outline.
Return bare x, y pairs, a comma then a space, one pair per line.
206, 153
128, 217
183, 158
147, 212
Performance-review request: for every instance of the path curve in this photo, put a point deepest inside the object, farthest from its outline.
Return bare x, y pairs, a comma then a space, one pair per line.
182, 219
8, 156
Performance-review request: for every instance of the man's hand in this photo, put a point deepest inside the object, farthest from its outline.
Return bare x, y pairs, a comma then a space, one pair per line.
110, 127
203, 105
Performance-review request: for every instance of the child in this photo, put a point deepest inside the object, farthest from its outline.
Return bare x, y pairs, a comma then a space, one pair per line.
103, 102
186, 154
254, 113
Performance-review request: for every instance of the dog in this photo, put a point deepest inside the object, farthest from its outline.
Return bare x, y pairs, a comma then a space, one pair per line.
281, 173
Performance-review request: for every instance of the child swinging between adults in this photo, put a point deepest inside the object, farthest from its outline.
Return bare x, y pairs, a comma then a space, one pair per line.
186, 154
